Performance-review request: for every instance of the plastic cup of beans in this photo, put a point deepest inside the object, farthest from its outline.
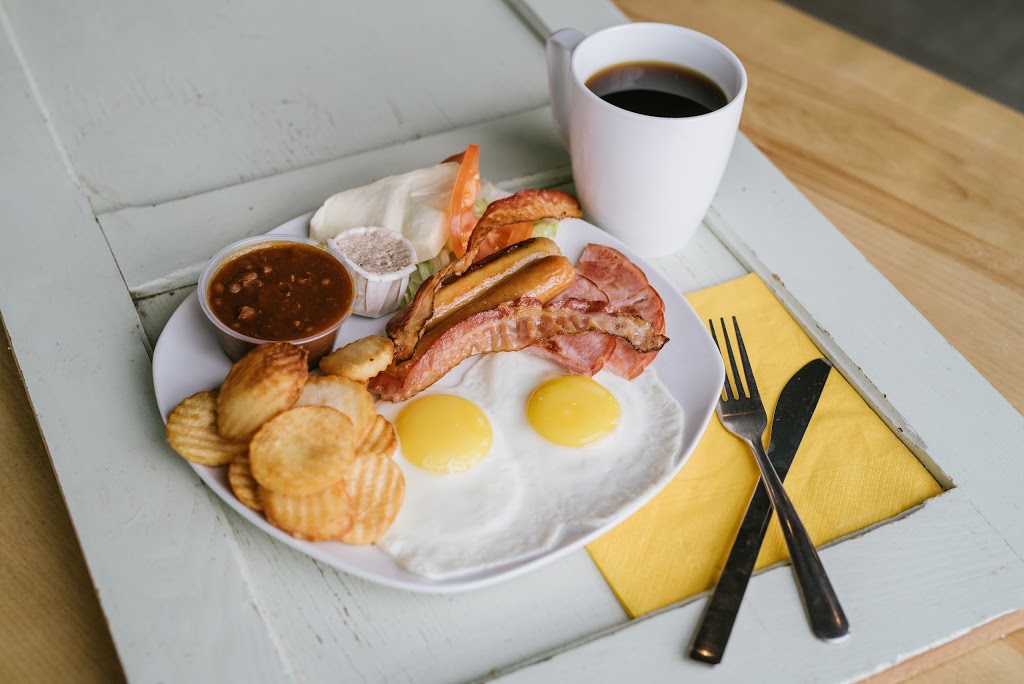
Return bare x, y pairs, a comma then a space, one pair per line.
276, 288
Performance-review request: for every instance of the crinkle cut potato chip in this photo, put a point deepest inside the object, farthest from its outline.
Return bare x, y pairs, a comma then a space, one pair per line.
360, 360
344, 395
262, 384
243, 484
302, 451
380, 440
376, 488
322, 516
192, 432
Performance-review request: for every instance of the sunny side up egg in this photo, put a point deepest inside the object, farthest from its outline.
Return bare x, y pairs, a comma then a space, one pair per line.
540, 454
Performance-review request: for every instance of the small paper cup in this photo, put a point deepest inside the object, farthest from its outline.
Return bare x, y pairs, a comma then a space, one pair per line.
376, 294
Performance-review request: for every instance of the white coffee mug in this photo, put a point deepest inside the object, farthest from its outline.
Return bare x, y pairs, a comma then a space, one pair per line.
647, 180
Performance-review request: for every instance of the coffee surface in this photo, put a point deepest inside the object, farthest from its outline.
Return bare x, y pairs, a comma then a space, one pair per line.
657, 89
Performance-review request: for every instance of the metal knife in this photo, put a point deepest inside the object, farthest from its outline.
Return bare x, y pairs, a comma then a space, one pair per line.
792, 415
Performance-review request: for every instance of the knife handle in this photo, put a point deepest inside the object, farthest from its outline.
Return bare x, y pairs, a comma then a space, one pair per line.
720, 614
828, 621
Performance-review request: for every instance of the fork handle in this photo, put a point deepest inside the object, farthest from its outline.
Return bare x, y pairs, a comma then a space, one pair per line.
828, 621
724, 605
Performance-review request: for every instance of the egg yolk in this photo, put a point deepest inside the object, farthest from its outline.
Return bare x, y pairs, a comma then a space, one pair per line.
573, 410
443, 433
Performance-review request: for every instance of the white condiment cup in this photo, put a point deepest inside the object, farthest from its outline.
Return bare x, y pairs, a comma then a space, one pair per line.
377, 294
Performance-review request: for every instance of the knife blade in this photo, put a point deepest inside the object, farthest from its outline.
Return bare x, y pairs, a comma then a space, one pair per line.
792, 415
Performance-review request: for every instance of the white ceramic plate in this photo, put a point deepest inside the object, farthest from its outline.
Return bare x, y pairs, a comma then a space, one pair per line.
188, 359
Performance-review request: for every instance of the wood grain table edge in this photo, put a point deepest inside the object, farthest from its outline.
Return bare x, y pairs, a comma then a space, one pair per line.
64, 610
939, 663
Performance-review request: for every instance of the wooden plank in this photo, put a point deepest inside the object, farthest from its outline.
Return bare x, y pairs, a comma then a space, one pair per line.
163, 247
154, 543
547, 16
895, 609
335, 626
887, 599
46, 594
154, 311
197, 95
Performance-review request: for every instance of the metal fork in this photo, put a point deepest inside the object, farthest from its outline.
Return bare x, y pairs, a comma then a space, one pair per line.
744, 416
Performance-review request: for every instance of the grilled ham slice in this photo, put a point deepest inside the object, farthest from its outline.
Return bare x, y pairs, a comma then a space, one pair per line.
583, 353
628, 290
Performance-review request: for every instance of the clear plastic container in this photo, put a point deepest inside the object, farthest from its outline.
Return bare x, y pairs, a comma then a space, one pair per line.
235, 344
377, 294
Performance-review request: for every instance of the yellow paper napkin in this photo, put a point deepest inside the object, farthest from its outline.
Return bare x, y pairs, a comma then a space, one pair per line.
850, 470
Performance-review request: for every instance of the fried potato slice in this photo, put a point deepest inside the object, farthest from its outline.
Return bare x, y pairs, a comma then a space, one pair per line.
302, 451
360, 360
322, 516
344, 395
243, 484
262, 384
380, 439
376, 487
192, 432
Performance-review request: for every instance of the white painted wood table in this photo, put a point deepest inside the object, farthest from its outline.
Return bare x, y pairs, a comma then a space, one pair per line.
138, 140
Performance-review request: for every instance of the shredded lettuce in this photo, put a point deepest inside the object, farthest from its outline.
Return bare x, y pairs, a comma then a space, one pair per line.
424, 270
480, 206
488, 193
545, 228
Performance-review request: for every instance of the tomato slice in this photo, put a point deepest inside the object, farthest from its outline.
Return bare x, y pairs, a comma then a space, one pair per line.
500, 238
467, 185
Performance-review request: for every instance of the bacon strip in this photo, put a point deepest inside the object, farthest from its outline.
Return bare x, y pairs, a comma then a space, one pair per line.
583, 353
511, 327
406, 327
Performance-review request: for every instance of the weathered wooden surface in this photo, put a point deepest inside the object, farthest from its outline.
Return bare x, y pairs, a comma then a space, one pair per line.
198, 95
821, 88
885, 595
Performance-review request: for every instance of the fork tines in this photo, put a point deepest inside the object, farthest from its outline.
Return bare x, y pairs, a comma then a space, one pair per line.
748, 372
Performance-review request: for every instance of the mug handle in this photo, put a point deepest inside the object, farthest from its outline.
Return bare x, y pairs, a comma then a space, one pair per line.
559, 48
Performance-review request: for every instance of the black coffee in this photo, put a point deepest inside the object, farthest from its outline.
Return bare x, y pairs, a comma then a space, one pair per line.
657, 89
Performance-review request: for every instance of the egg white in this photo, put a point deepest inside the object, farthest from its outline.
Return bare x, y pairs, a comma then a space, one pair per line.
528, 492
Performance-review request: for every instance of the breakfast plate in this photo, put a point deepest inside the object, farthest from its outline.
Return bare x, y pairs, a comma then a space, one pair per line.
188, 359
